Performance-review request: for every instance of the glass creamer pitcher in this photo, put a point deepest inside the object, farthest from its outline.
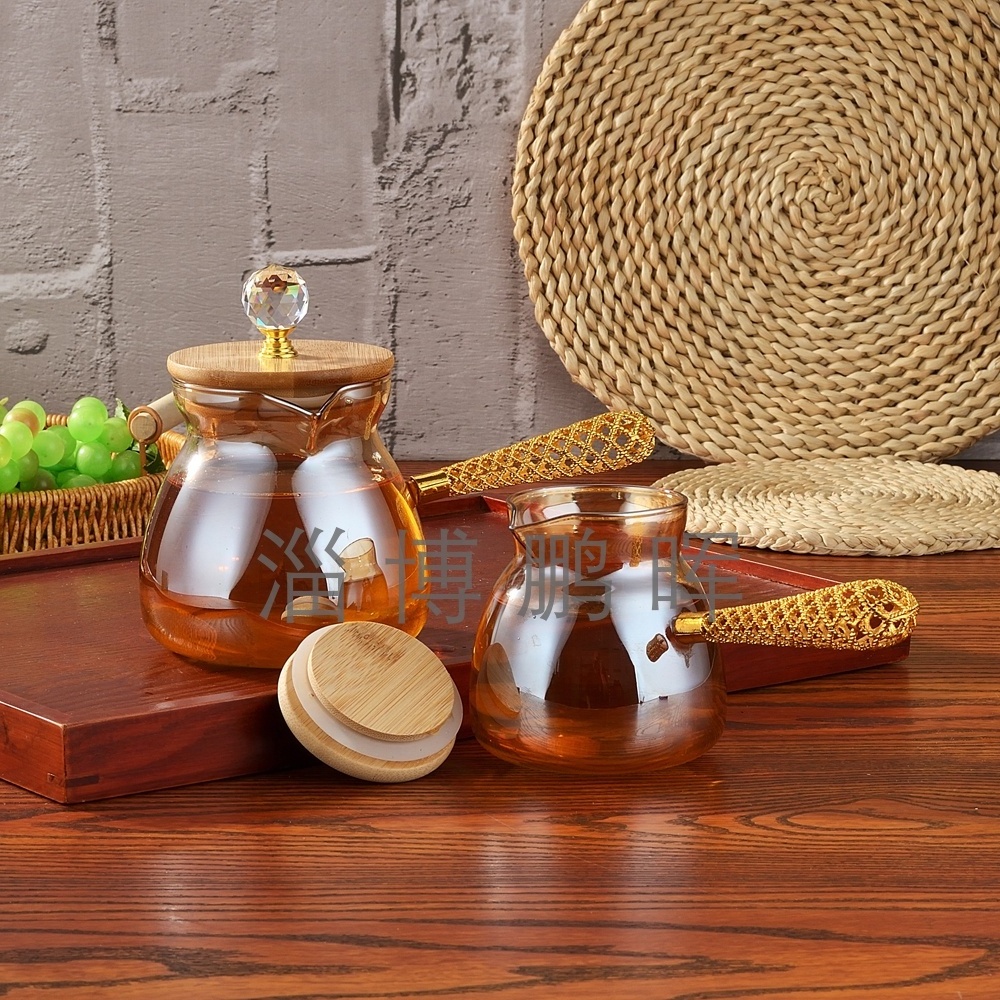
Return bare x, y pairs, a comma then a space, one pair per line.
571, 667
283, 512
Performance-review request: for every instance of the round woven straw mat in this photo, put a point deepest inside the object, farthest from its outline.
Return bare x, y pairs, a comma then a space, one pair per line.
772, 227
854, 507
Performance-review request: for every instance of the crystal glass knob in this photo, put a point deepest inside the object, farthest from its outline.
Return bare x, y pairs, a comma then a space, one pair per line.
276, 300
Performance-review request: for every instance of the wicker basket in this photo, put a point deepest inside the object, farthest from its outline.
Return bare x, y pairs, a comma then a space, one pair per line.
49, 519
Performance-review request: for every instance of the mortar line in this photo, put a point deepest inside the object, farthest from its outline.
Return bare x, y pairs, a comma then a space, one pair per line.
396, 66
315, 258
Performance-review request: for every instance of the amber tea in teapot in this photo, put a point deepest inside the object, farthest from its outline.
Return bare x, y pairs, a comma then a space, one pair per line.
283, 512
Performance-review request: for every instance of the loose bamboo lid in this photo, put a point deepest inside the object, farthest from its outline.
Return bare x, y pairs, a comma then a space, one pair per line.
276, 300
371, 701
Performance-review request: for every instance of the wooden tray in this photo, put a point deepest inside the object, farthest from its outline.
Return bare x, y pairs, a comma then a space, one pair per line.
92, 707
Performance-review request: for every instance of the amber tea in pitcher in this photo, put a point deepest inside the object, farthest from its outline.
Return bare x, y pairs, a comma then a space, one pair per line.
572, 669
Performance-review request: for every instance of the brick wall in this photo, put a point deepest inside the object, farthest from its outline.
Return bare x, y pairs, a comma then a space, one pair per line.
156, 150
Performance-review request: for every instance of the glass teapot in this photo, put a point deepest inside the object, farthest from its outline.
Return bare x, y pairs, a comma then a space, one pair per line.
283, 512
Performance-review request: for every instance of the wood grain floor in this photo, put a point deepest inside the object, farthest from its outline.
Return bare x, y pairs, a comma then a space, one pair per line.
842, 840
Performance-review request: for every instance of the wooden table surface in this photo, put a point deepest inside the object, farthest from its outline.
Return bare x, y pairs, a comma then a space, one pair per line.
841, 840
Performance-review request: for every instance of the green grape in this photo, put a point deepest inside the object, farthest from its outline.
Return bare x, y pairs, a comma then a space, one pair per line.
93, 459
116, 435
75, 482
27, 467
19, 438
3, 409
30, 404
69, 442
86, 425
91, 405
23, 416
49, 448
126, 465
8, 477
64, 476
43, 481
6, 452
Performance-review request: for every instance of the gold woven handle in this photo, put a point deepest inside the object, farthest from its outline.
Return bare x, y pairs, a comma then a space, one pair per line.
600, 444
863, 614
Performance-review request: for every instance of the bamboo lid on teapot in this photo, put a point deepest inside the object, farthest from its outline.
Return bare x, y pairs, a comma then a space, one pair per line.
370, 701
276, 300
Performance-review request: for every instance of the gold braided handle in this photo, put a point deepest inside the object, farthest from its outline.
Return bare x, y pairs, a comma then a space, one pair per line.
600, 444
863, 614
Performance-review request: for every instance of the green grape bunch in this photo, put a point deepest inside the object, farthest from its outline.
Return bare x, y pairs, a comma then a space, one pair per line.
94, 447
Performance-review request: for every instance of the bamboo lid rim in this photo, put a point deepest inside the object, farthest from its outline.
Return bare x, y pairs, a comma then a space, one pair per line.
320, 365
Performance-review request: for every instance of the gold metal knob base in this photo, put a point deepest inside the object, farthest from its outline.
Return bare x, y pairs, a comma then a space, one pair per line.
277, 345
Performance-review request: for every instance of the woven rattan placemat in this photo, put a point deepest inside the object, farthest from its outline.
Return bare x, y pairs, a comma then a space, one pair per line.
772, 228
827, 506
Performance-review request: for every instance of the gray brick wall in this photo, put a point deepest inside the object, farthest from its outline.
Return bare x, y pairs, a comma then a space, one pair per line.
154, 150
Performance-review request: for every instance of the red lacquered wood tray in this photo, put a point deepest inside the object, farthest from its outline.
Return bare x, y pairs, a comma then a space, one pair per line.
92, 707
